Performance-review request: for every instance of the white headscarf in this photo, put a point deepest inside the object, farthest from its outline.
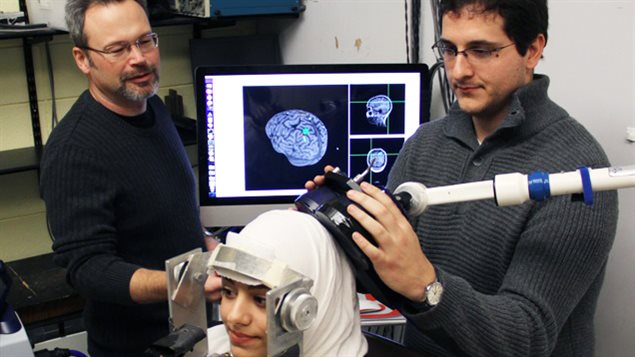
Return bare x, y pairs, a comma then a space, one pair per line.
306, 246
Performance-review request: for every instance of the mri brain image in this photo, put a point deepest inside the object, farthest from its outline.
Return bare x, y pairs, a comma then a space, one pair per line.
377, 159
378, 109
299, 135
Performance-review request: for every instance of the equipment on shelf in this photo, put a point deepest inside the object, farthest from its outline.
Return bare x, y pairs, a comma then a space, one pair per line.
13, 338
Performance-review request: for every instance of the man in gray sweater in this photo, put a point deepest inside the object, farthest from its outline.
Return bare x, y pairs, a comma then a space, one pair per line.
484, 280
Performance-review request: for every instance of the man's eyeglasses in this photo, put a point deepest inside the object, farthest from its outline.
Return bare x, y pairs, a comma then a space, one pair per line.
475, 55
120, 50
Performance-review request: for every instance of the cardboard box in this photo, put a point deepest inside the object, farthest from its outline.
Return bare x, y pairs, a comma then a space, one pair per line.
49, 12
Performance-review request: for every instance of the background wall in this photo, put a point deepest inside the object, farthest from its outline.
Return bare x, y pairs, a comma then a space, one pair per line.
590, 58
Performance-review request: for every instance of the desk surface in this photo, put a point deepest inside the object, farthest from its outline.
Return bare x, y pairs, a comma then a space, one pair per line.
39, 291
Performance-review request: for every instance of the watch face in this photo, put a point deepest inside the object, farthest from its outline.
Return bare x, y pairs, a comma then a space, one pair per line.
434, 292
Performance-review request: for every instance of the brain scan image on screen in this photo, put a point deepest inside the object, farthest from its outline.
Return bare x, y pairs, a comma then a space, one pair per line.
310, 126
378, 109
299, 135
384, 151
377, 159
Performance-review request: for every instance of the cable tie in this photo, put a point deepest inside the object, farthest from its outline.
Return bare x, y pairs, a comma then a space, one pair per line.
587, 190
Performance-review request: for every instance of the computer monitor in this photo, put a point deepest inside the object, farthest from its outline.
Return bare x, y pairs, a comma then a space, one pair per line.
263, 131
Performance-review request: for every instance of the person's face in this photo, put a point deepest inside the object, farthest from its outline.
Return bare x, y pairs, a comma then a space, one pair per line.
484, 88
128, 80
244, 313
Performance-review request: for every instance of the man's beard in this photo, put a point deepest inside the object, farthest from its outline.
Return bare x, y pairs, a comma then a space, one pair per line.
135, 93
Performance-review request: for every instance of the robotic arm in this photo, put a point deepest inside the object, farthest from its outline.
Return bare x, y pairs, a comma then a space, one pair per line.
328, 205
515, 188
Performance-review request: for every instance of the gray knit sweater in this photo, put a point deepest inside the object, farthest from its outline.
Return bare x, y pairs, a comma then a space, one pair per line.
519, 280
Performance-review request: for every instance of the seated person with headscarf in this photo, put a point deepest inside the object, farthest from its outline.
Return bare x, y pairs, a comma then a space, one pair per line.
281, 247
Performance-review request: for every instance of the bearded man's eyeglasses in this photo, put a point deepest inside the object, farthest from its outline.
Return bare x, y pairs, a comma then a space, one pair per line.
120, 50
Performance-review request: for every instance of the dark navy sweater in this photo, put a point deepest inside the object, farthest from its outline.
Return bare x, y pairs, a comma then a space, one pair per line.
118, 197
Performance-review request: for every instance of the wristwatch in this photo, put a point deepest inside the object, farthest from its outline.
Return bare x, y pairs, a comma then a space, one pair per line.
434, 291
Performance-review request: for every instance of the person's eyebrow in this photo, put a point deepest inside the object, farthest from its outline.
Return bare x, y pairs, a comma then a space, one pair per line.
475, 43
230, 282
227, 281
481, 43
124, 41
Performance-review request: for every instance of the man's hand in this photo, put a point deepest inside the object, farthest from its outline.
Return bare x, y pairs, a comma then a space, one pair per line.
317, 180
398, 258
213, 287
211, 242
213, 283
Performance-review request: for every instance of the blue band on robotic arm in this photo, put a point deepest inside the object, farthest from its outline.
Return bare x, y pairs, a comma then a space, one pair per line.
587, 190
539, 189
